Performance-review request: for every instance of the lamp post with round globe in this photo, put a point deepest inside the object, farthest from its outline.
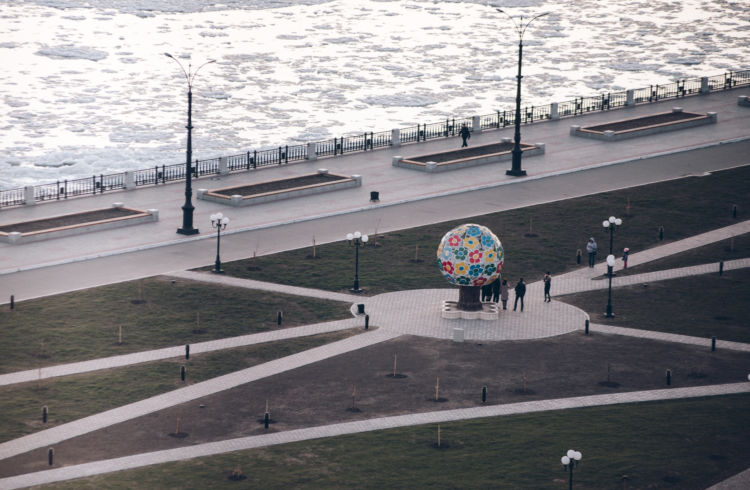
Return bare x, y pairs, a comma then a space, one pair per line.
570, 461
220, 222
610, 224
358, 240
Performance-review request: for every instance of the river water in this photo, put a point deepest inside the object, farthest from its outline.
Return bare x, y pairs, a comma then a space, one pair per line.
86, 88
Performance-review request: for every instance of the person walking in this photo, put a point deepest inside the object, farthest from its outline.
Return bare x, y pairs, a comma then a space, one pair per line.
625, 253
547, 284
465, 134
520, 292
591, 249
504, 293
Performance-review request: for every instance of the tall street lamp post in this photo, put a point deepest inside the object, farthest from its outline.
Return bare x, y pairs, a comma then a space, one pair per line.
516, 169
188, 208
570, 461
357, 239
610, 224
220, 222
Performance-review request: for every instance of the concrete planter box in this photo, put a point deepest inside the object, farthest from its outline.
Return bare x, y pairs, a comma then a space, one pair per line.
427, 163
137, 217
743, 101
243, 196
686, 120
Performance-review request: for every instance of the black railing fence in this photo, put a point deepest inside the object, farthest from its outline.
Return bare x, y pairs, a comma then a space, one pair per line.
361, 142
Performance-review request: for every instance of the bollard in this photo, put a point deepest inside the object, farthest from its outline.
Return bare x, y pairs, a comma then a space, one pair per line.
278, 318
182, 372
12, 302
187, 351
484, 394
367, 322
44, 414
51, 455
266, 419
661, 233
587, 326
721, 267
713, 344
578, 256
669, 377
734, 211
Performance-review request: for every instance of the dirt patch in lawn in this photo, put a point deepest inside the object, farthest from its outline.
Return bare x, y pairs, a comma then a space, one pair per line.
644, 122
321, 393
280, 185
69, 220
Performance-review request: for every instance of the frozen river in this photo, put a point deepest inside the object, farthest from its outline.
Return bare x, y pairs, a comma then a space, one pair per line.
85, 87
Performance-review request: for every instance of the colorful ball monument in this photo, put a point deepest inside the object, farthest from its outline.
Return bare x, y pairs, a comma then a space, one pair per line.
470, 256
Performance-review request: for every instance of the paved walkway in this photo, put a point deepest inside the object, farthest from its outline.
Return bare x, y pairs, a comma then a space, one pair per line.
571, 167
244, 443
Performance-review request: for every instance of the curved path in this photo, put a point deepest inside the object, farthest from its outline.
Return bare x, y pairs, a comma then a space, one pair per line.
408, 312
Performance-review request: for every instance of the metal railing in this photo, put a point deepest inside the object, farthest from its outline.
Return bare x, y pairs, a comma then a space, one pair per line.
362, 142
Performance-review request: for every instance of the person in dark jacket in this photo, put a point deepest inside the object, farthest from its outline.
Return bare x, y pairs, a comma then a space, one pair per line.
496, 290
547, 285
520, 292
487, 292
465, 134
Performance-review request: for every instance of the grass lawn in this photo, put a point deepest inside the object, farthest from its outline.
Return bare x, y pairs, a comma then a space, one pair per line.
535, 239
153, 313
686, 444
700, 306
73, 397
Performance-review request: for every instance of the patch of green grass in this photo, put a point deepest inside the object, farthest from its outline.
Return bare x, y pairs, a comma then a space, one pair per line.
686, 444
535, 239
699, 306
153, 313
73, 397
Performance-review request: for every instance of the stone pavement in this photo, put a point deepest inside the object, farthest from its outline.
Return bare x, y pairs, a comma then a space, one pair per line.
244, 443
571, 167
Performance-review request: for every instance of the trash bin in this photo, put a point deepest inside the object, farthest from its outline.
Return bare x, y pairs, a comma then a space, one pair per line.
374, 196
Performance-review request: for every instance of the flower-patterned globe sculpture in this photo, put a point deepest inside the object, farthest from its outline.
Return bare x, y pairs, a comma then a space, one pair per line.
470, 256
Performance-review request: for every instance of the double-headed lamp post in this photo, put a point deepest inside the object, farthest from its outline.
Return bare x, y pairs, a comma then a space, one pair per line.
570, 461
220, 222
516, 169
188, 208
357, 239
610, 224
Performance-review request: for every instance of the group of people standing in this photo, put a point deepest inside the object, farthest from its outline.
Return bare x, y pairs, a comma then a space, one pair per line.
499, 291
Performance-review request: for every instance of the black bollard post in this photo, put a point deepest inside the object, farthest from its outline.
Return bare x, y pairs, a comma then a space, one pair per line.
278, 318
669, 377
44, 414
266, 419
182, 372
587, 327
187, 351
51, 456
12, 302
721, 267
713, 344
734, 211
661, 233
367, 322
578, 256
484, 394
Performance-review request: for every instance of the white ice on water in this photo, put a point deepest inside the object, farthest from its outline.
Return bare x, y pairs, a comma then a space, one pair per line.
86, 89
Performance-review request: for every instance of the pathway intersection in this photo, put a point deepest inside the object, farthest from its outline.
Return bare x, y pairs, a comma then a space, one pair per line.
571, 167
388, 312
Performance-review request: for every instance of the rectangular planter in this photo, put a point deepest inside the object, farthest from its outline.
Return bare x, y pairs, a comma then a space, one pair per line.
138, 217
609, 135
424, 164
231, 197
